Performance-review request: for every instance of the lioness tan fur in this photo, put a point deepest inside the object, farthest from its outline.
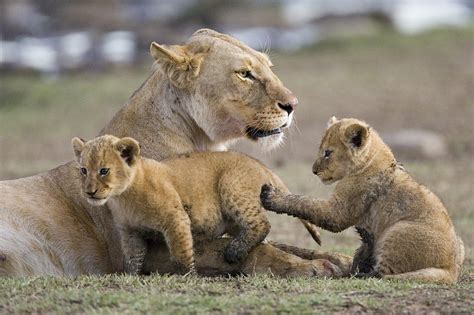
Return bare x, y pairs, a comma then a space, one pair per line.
200, 96
196, 196
413, 236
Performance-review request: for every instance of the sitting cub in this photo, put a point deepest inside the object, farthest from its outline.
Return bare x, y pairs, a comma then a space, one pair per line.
406, 231
201, 194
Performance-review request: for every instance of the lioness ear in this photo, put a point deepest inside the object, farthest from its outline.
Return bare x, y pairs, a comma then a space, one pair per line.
180, 65
172, 53
332, 121
129, 149
356, 135
77, 146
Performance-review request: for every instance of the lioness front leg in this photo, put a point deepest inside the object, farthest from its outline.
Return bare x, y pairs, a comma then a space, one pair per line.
329, 214
262, 259
134, 249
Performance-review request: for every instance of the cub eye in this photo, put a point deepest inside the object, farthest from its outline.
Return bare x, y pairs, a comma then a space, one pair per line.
327, 154
84, 171
245, 74
104, 171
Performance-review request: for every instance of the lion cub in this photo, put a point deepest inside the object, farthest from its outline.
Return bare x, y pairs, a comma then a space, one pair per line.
201, 194
406, 230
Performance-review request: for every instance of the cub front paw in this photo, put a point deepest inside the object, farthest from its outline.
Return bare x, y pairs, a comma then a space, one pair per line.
234, 254
267, 194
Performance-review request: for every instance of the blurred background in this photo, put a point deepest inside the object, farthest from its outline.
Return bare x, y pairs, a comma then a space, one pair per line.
404, 66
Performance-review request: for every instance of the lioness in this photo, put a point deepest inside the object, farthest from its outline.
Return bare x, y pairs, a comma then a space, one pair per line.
200, 97
211, 193
413, 236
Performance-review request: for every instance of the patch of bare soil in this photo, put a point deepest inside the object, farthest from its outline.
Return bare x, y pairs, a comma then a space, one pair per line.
442, 300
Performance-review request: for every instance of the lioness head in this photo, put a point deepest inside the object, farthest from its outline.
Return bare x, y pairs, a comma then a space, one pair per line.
107, 166
344, 149
233, 91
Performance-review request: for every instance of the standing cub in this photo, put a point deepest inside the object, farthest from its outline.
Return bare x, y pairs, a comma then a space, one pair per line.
406, 230
201, 194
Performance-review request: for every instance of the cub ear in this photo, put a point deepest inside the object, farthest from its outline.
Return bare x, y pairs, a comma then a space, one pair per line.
179, 64
129, 149
77, 146
356, 135
332, 121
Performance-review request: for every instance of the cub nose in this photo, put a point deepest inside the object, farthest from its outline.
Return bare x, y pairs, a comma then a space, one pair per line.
315, 168
91, 193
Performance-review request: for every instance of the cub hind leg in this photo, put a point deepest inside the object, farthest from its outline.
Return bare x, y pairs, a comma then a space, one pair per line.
410, 250
242, 205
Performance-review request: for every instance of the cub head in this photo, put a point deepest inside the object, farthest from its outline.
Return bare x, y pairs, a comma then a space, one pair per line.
344, 149
234, 92
107, 166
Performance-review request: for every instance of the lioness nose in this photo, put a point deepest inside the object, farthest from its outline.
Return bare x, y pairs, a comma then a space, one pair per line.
286, 107
290, 106
91, 193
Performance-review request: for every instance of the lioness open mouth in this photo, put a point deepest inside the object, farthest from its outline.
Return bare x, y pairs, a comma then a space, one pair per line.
254, 133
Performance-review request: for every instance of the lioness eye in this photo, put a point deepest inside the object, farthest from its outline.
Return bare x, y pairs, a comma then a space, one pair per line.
327, 153
84, 171
104, 171
247, 74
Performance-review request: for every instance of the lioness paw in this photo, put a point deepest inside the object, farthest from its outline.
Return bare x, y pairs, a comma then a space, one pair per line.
325, 268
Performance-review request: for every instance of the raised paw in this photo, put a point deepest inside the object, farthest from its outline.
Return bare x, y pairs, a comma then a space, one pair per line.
267, 197
234, 254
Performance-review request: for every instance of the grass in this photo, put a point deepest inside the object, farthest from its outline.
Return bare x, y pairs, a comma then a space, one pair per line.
260, 294
390, 80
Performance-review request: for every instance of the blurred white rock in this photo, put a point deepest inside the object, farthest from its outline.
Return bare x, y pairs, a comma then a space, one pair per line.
417, 143
8, 52
73, 49
416, 16
38, 54
119, 47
